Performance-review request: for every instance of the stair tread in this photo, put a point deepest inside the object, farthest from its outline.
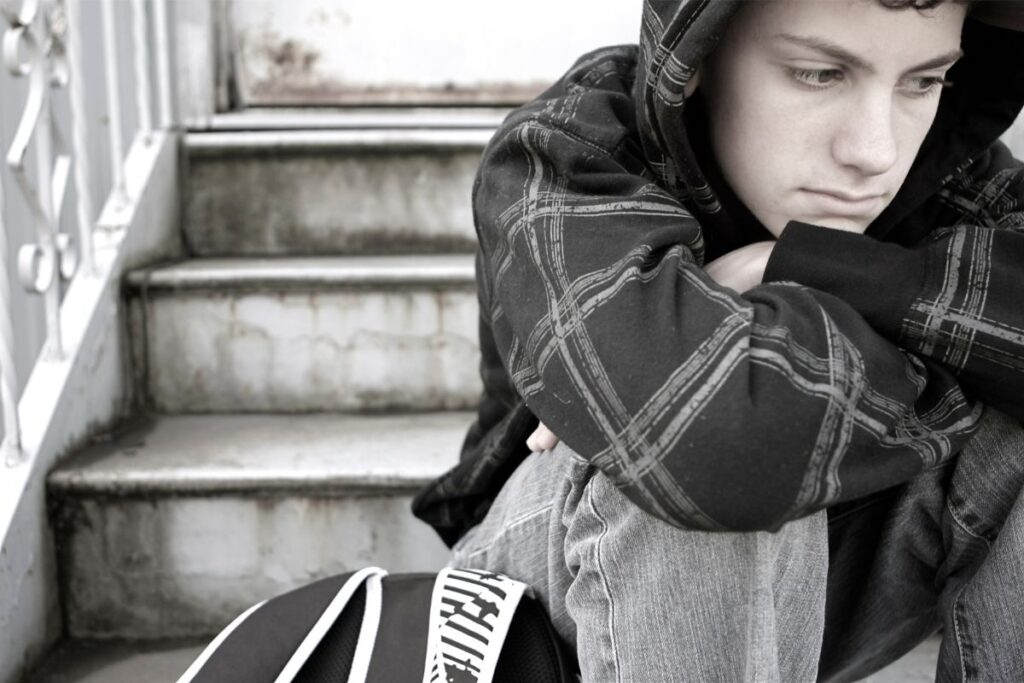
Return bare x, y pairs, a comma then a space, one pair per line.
181, 454
290, 118
321, 270
217, 143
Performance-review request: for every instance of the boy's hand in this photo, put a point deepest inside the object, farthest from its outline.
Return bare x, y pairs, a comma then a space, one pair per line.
1002, 13
542, 439
743, 268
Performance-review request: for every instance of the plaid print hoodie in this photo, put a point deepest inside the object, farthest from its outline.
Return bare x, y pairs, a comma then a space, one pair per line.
861, 360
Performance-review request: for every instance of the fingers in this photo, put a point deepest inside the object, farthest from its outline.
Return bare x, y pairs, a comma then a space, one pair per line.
542, 439
741, 269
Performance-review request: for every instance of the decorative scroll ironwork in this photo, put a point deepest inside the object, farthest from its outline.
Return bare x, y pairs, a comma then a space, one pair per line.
33, 48
42, 42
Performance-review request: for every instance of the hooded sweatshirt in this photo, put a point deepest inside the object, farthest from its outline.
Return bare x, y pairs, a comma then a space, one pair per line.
597, 205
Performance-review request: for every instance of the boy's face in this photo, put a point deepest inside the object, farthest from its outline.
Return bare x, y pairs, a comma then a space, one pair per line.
818, 107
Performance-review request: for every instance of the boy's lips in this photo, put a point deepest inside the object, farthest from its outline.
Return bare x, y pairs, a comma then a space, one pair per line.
843, 203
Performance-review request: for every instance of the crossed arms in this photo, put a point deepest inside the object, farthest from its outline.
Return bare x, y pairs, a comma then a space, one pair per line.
719, 410
740, 270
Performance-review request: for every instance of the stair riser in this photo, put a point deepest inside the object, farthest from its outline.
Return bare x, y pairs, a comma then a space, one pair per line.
183, 567
331, 202
295, 351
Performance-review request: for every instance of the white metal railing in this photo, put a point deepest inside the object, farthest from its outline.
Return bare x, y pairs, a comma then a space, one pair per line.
44, 43
10, 448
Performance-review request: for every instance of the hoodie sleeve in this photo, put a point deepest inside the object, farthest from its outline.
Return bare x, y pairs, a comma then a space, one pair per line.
709, 409
955, 299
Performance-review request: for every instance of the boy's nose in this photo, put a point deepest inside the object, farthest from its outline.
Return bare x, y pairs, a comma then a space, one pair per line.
866, 141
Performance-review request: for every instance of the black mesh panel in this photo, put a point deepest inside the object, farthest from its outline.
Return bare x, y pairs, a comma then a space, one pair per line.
532, 651
332, 659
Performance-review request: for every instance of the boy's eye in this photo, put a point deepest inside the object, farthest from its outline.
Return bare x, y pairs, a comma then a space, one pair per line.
925, 85
817, 78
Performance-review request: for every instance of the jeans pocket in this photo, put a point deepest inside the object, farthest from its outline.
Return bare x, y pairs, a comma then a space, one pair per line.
965, 547
989, 476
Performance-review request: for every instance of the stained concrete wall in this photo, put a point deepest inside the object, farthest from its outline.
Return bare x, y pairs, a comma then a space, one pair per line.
462, 51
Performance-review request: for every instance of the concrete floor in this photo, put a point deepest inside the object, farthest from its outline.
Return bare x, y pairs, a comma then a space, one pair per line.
918, 666
165, 662
103, 662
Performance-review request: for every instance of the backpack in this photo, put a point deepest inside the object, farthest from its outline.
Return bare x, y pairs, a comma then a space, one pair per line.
457, 626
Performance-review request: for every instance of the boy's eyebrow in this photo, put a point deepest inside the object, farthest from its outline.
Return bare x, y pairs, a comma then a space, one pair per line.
844, 55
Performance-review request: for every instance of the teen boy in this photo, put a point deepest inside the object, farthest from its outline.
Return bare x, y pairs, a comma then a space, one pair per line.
765, 266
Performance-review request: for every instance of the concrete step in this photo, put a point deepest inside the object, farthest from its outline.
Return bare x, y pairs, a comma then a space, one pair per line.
356, 118
163, 662
331, 190
307, 334
178, 523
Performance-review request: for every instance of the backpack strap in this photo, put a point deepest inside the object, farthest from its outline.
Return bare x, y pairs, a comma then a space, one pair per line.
470, 613
327, 619
272, 640
368, 629
453, 625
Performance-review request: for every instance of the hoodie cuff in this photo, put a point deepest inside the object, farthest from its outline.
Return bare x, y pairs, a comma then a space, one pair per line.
880, 280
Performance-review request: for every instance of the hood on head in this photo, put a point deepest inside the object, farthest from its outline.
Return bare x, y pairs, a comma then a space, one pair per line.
675, 37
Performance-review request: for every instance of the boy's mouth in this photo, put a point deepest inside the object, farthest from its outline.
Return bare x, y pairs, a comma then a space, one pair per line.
844, 204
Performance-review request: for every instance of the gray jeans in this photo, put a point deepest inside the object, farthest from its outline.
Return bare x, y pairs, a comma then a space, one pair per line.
640, 600
834, 596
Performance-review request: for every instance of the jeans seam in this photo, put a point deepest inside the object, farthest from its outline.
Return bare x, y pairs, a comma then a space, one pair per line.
604, 580
955, 608
869, 502
527, 516
963, 525
519, 521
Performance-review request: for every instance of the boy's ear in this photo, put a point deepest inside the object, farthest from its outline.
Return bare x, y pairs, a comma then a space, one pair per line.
692, 84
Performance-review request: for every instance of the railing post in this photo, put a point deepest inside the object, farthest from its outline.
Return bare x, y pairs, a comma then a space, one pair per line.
10, 445
79, 135
163, 62
113, 97
142, 86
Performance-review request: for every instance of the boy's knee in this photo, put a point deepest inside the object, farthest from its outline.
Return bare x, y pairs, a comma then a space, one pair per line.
624, 526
